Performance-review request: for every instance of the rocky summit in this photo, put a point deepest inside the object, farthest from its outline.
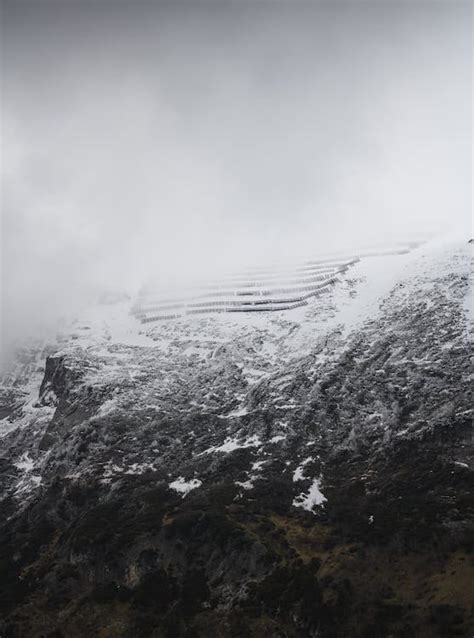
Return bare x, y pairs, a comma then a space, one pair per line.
292, 474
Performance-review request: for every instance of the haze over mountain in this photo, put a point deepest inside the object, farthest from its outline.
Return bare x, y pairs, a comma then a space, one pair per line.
235, 389
171, 138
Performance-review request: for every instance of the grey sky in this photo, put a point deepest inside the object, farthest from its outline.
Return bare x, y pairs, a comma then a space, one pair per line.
154, 136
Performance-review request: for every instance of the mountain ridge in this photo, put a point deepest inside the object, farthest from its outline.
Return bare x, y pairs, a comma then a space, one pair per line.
304, 475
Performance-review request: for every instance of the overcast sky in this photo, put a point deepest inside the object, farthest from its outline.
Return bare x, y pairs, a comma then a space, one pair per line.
155, 137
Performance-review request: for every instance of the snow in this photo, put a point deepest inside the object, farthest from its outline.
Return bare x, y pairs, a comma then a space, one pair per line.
257, 344
25, 463
232, 444
110, 469
184, 487
312, 499
247, 485
298, 474
468, 304
242, 411
28, 481
378, 275
253, 375
26, 377
109, 324
139, 468
109, 406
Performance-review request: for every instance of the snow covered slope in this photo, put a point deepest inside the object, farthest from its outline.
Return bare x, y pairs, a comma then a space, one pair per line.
190, 475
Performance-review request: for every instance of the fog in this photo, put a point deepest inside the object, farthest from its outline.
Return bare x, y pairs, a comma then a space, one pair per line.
152, 139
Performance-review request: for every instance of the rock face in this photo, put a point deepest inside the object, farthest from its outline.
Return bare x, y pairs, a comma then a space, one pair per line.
307, 474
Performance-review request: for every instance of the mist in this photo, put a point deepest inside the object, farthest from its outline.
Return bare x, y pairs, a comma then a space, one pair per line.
164, 139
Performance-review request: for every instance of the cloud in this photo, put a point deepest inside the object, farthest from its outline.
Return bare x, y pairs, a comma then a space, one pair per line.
178, 138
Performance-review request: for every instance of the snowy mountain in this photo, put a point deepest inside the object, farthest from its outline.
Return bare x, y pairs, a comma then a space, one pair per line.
305, 472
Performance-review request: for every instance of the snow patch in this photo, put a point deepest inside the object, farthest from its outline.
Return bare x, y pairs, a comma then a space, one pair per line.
236, 413
247, 485
312, 499
231, 444
298, 474
184, 487
25, 463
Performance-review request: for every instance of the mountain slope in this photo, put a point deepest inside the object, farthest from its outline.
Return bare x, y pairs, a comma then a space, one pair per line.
302, 474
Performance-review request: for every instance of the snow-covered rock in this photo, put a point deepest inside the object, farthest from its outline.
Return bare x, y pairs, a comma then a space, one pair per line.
218, 460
